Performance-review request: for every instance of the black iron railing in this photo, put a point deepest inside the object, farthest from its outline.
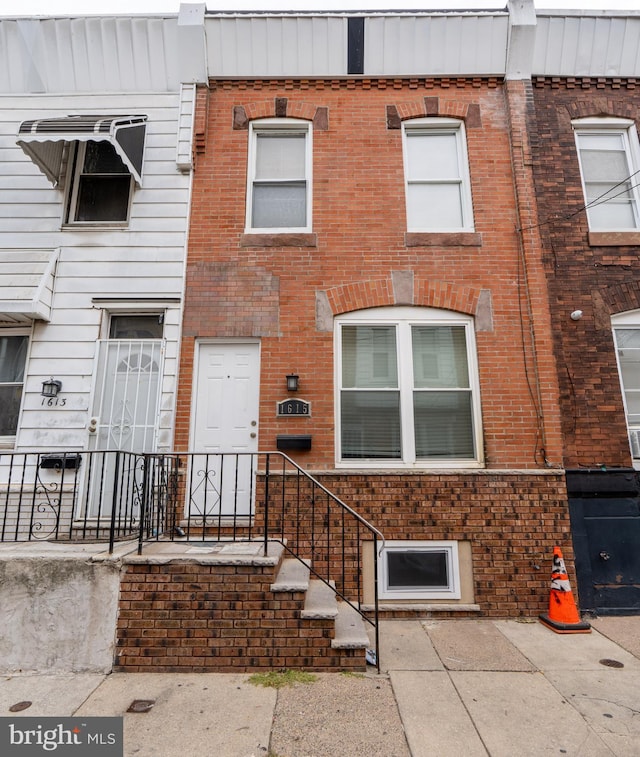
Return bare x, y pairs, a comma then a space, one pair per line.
106, 496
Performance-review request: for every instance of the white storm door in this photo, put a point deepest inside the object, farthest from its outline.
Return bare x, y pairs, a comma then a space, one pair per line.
225, 420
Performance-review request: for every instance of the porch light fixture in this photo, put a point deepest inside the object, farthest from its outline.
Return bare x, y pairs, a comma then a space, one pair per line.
292, 382
51, 388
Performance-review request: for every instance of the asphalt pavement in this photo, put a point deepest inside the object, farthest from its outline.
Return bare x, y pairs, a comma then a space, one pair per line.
457, 687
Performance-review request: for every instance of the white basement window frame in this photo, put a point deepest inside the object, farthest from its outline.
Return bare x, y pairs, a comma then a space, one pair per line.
437, 181
609, 158
279, 176
416, 570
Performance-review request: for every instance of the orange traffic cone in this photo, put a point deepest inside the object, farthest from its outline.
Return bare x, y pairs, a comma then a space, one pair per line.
563, 614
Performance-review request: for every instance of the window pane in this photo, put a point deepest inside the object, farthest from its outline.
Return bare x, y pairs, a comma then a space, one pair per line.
101, 157
10, 396
13, 354
135, 327
439, 357
599, 165
409, 570
280, 157
432, 156
434, 206
627, 338
279, 205
443, 425
103, 198
612, 215
370, 423
369, 357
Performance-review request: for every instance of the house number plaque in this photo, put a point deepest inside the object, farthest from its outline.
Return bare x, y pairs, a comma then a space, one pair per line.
294, 407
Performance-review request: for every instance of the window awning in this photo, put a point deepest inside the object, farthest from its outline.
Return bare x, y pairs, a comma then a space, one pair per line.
43, 140
26, 285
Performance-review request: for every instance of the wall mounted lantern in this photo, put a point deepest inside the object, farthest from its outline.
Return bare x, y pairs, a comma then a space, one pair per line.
292, 382
51, 388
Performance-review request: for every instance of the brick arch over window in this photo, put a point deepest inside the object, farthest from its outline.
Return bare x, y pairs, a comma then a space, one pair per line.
601, 107
622, 297
433, 106
382, 292
280, 107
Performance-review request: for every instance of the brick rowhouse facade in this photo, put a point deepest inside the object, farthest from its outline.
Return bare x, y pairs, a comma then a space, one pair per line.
594, 273
286, 290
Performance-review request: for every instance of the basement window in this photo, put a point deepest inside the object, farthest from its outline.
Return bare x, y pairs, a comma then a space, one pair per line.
419, 570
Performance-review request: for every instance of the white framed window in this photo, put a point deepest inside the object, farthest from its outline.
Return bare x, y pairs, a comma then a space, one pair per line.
279, 176
101, 185
609, 157
626, 334
419, 570
407, 389
13, 357
438, 188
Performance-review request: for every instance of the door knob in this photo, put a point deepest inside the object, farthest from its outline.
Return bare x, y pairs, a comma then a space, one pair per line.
605, 555
253, 434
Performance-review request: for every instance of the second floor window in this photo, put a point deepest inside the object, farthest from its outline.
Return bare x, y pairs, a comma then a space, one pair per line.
438, 191
279, 176
610, 165
100, 185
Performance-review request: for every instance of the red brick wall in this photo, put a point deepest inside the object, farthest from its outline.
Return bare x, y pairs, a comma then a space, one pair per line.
599, 280
235, 290
179, 617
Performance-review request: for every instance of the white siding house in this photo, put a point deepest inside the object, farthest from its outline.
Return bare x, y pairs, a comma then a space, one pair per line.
95, 146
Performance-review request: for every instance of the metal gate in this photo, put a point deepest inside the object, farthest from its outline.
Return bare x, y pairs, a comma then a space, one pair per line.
605, 522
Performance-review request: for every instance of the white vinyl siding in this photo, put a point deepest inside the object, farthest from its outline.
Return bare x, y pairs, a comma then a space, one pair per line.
279, 176
609, 163
407, 389
438, 193
139, 263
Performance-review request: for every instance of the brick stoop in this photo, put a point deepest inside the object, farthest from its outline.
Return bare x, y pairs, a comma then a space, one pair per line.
223, 607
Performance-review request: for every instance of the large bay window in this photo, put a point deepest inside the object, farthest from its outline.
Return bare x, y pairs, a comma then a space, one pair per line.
407, 388
610, 164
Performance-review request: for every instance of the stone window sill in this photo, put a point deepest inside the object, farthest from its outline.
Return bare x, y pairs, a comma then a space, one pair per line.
278, 240
439, 239
613, 238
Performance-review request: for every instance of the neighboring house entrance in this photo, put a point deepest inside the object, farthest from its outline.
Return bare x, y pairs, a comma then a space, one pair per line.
225, 420
126, 400
605, 521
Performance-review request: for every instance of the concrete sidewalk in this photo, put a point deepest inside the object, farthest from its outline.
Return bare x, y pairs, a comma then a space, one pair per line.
471, 687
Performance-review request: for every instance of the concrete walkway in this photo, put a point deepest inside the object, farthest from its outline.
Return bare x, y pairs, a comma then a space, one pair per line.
465, 687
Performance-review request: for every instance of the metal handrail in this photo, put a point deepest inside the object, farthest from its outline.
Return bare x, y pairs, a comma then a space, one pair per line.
111, 495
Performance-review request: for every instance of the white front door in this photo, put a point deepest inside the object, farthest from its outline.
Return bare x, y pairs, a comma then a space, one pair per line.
225, 420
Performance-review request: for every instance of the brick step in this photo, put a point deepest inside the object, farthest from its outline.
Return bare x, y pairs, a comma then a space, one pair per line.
198, 607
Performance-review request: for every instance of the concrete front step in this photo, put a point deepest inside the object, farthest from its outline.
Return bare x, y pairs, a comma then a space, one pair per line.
293, 575
350, 629
320, 601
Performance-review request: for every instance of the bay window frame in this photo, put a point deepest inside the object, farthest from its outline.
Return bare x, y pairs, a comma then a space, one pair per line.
403, 318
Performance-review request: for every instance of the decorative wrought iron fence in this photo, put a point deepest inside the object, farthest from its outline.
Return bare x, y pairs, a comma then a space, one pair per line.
106, 496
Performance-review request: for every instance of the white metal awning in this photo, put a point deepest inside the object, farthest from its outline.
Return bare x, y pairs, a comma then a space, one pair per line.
26, 285
43, 140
